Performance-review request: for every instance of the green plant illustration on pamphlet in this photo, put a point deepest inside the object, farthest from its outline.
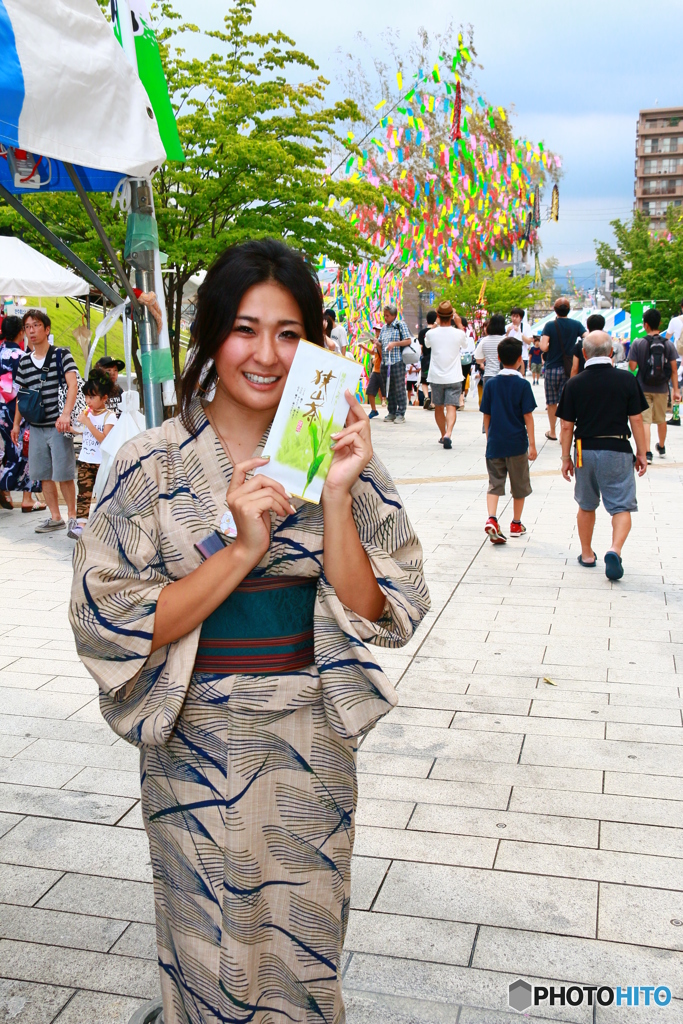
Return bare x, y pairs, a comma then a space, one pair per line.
305, 444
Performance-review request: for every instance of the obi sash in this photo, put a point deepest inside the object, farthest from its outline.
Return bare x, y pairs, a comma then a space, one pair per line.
265, 627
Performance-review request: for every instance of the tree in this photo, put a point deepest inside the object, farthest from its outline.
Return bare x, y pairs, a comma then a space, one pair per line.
501, 291
255, 154
644, 266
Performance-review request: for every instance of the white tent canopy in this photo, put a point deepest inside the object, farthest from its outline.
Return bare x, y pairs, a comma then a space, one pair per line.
25, 271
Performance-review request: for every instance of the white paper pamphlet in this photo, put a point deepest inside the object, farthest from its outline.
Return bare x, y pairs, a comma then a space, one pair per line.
312, 408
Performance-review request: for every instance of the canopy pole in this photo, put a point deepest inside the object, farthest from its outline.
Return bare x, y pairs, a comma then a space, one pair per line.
49, 236
103, 237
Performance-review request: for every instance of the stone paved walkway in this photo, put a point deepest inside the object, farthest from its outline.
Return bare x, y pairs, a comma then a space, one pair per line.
520, 812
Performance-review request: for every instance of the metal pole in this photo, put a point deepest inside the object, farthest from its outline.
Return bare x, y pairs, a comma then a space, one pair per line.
104, 313
143, 268
83, 269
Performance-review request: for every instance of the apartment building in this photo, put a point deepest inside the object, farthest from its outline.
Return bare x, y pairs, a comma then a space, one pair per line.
659, 163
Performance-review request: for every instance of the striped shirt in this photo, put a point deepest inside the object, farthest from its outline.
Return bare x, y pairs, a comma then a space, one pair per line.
28, 376
395, 331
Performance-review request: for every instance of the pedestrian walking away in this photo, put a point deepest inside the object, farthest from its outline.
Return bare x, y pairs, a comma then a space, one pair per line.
466, 361
535, 361
426, 355
236, 665
656, 361
595, 322
393, 337
97, 420
445, 371
51, 457
508, 405
597, 406
557, 342
486, 352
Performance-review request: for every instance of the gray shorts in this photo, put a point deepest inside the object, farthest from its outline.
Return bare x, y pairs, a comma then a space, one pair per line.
609, 474
50, 455
514, 466
446, 394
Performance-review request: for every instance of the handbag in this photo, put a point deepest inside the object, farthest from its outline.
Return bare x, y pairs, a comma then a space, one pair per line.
411, 352
80, 404
30, 400
567, 358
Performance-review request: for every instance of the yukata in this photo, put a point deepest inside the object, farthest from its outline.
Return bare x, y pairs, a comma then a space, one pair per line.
14, 469
247, 726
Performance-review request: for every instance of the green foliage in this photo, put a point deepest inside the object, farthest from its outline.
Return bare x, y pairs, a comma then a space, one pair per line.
502, 292
256, 149
646, 267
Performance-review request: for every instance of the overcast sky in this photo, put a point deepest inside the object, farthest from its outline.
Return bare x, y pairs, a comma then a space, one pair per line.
576, 80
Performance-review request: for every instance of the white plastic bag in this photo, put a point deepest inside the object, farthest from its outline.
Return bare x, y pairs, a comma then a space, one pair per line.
130, 423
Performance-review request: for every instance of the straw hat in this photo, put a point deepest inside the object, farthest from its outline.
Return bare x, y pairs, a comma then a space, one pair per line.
444, 309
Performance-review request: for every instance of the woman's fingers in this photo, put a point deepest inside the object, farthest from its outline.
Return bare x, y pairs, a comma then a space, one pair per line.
240, 470
278, 501
356, 410
257, 483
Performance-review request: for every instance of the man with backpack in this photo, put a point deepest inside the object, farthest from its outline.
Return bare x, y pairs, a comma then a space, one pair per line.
558, 341
394, 337
655, 359
51, 457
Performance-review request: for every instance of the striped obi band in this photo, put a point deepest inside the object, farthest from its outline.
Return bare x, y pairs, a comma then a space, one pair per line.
265, 627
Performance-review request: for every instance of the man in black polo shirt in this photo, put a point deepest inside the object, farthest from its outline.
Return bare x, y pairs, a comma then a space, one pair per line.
600, 403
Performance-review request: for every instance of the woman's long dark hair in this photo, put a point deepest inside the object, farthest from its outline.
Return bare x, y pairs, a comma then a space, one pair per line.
235, 271
496, 325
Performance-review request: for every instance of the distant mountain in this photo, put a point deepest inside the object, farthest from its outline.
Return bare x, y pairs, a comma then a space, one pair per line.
583, 274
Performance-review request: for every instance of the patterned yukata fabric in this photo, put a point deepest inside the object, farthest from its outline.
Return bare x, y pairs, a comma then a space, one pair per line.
248, 781
14, 469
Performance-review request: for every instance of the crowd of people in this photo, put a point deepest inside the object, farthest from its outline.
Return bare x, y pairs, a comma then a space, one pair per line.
51, 423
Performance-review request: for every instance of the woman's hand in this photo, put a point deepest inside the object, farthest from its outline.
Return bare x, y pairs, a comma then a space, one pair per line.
352, 452
251, 502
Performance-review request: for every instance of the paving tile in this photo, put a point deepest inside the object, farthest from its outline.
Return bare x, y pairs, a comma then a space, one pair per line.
404, 715
641, 839
429, 847
610, 755
601, 865
502, 823
661, 787
645, 733
91, 755
435, 742
103, 896
598, 805
24, 886
137, 940
55, 729
61, 803
580, 961
393, 764
367, 874
420, 697
434, 791
107, 782
12, 745
517, 774
386, 813
600, 712
96, 1007
133, 819
24, 1003
8, 821
52, 927
527, 725
77, 968
564, 906
641, 915
396, 935
75, 846
35, 773
397, 984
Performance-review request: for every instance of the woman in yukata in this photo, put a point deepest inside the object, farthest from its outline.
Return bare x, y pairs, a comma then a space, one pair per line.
244, 676
14, 466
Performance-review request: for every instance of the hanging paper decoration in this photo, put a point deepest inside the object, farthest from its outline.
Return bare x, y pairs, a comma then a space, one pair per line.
555, 204
457, 113
538, 275
537, 206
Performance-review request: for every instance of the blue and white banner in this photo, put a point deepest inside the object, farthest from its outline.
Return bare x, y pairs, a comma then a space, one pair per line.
67, 92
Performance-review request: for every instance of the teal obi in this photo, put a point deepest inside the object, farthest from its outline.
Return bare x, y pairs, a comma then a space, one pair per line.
265, 627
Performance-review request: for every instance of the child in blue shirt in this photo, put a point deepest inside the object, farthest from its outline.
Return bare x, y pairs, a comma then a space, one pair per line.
508, 404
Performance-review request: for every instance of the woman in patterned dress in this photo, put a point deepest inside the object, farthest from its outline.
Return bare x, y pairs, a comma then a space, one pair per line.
14, 470
244, 676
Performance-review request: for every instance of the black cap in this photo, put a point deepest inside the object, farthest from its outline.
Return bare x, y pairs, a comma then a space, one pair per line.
331, 312
106, 362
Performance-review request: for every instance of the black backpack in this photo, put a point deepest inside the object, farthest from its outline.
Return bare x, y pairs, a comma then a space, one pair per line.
656, 368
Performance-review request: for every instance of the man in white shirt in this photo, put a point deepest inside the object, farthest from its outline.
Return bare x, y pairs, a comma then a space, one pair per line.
674, 330
516, 329
445, 371
338, 332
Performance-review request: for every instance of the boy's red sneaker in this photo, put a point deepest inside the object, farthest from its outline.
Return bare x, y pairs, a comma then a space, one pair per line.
493, 530
517, 529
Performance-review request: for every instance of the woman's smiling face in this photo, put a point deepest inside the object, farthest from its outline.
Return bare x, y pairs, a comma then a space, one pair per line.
254, 360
